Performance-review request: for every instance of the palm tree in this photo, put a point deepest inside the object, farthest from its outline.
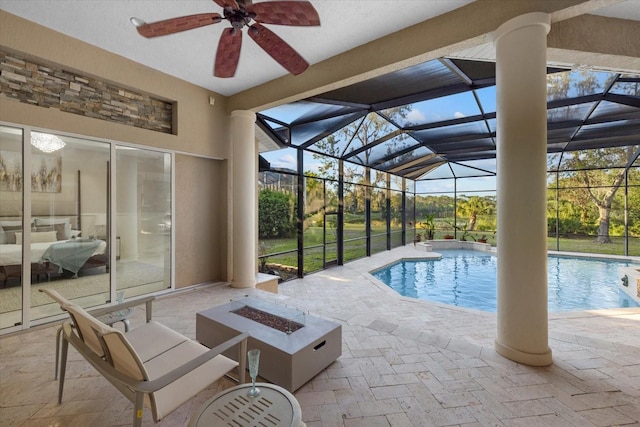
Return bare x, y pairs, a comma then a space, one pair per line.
473, 206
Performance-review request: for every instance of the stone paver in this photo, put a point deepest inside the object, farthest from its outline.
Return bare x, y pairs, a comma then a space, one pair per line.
404, 363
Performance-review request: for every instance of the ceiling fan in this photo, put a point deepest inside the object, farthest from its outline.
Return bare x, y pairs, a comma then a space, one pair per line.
241, 13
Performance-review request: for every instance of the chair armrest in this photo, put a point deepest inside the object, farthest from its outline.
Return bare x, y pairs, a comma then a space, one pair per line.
105, 310
148, 301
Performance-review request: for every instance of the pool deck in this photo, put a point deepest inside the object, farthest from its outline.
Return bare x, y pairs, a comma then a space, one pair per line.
405, 362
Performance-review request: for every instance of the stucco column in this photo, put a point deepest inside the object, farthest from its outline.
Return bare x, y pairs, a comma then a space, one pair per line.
521, 46
245, 207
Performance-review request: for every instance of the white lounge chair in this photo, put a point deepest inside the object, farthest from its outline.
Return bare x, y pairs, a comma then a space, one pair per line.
151, 365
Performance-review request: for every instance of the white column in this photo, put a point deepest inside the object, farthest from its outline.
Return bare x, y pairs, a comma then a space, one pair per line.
521, 46
245, 206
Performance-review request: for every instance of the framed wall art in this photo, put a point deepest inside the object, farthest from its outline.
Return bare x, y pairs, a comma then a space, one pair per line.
46, 175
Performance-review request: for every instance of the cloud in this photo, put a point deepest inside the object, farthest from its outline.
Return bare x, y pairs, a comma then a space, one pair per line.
459, 115
415, 116
288, 159
312, 166
283, 162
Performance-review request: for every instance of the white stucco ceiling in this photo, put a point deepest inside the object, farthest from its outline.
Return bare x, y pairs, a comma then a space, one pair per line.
345, 24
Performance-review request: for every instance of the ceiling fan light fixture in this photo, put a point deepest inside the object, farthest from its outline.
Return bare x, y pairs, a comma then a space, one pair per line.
137, 22
46, 142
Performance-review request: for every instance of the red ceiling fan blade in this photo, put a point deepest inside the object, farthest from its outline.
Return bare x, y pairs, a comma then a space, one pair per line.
278, 49
298, 13
228, 53
176, 25
227, 3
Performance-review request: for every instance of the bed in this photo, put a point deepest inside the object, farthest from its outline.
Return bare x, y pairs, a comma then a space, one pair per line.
56, 241
55, 247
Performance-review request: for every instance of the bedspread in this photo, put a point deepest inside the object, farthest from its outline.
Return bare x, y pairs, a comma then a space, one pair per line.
12, 254
70, 255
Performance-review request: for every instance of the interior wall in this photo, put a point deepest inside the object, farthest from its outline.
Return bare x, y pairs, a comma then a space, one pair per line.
201, 129
200, 220
62, 203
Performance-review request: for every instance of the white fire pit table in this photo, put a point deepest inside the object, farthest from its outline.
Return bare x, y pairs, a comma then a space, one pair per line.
288, 358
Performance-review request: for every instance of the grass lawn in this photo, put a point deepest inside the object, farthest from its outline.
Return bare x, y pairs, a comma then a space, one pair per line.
588, 244
357, 248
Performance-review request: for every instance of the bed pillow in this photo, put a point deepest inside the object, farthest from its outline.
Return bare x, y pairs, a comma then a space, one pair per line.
62, 230
10, 234
52, 222
14, 223
38, 236
8, 229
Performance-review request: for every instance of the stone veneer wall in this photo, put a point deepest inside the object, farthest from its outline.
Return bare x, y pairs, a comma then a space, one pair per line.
51, 86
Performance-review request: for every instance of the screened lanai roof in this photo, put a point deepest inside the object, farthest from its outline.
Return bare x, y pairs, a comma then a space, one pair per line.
443, 112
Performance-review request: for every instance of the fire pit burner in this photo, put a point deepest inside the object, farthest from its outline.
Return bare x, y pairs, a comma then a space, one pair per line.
271, 320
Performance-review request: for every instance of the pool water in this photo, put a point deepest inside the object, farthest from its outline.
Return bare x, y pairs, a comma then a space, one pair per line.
467, 278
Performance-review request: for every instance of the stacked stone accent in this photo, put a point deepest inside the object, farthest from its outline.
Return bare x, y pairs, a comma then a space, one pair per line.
33, 82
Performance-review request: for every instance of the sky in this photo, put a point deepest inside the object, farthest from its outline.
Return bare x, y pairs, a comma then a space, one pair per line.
441, 109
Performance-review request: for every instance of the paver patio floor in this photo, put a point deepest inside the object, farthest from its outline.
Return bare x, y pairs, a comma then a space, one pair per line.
404, 363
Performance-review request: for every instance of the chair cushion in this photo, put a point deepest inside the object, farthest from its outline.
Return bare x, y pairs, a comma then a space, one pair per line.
152, 339
89, 327
181, 390
123, 356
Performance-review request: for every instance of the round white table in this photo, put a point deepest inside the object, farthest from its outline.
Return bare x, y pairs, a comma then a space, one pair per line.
274, 406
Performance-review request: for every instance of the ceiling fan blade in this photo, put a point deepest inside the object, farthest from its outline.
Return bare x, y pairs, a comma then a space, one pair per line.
279, 50
176, 25
228, 53
298, 13
227, 3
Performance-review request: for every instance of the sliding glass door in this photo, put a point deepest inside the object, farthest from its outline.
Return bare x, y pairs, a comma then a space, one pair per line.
143, 220
11, 224
89, 219
69, 200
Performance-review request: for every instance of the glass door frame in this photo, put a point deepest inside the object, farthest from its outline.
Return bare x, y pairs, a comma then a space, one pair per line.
26, 280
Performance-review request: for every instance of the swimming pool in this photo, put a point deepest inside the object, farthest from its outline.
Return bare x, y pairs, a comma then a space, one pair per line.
467, 278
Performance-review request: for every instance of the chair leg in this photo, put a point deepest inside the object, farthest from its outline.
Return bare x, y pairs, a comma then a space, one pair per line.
242, 361
63, 368
138, 410
58, 337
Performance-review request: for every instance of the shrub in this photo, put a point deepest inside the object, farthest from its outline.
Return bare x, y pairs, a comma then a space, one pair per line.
276, 214
568, 226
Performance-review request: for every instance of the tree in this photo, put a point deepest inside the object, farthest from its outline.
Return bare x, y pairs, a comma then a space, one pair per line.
368, 130
314, 194
634, 200
591, 169
473, 206
373, 127
598, 181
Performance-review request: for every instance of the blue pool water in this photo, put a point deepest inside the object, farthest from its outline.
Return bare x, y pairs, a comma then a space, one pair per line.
468, 279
